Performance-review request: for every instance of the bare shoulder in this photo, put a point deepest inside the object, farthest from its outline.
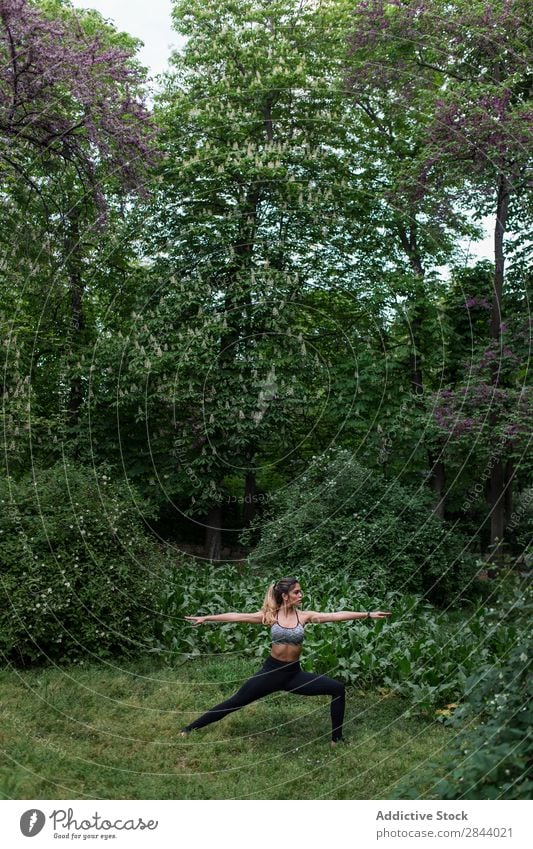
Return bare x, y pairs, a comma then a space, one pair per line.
308, 617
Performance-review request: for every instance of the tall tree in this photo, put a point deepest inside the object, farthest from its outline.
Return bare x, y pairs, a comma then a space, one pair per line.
69, 91
461, 77
257, 159
420, 226
76, 132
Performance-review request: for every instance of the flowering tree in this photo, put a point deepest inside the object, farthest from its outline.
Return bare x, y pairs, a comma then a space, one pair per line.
69, 90
75, 132
255, 177
393, 108
460, 73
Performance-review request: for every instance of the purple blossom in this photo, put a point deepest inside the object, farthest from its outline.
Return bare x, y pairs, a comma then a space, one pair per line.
69, 95
473, 302
462, 426
482, 126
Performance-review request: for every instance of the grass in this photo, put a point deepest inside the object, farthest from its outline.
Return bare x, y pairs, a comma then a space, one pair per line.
111, 732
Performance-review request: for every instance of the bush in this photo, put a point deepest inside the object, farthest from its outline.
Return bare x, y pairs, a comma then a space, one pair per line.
74, 566
492, 754
422, 653
339, 515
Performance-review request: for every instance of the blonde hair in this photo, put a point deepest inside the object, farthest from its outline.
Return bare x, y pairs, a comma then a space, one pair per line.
274, 598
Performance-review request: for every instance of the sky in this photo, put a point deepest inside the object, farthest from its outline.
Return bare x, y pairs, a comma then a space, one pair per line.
150, 21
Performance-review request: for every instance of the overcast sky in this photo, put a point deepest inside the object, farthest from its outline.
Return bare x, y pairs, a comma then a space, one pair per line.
150, 21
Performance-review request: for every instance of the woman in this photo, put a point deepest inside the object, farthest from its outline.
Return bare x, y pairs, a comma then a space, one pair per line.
282, 670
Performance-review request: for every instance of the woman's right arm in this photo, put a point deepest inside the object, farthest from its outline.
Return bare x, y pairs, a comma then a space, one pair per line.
253, 618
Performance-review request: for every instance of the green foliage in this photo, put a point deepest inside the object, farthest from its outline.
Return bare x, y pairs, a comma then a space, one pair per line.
277, 282
76, 567
422, 653
339, 515
248, 216
490, 757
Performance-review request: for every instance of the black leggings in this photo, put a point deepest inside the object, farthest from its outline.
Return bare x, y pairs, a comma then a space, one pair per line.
277, 675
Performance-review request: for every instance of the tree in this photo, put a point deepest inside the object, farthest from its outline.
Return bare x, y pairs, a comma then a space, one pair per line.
419, 224
76, 135
468, 65
257, 156
480, 423
70, 92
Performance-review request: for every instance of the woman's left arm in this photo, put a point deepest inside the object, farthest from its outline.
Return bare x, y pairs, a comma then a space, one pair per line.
315, 618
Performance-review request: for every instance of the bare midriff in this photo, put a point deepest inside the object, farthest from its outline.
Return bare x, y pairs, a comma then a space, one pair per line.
286, 652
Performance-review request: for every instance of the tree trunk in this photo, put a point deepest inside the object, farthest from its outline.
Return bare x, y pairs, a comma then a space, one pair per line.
77, 319
250, 490
213, 532
437, 482
497, 474
508, 484
499, 259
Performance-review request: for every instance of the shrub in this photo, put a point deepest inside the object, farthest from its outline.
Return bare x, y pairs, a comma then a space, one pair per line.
74, 567
339, 515
422, 653
492, 753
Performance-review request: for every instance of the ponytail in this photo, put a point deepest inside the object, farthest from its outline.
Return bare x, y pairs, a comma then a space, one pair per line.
274, 597
270, 606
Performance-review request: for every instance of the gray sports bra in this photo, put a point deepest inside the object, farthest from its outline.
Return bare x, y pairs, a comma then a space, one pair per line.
292, 636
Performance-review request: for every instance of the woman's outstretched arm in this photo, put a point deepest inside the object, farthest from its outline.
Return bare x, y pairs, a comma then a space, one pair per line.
315, 618
253, 618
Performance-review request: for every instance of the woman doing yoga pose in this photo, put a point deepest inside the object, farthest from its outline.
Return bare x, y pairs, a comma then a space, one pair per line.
281, 670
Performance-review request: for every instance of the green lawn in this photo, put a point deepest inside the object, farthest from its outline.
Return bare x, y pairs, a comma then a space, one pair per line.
110, 732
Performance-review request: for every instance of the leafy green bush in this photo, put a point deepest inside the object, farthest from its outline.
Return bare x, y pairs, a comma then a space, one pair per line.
74, 567
492, 754
421, 653
341, 515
